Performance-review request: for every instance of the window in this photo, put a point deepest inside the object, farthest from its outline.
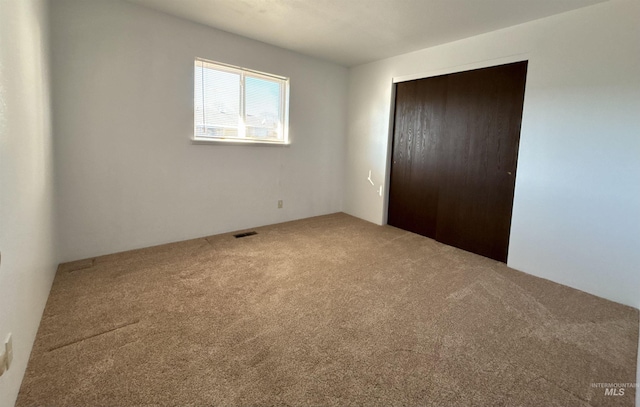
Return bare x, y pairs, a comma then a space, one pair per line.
239, 105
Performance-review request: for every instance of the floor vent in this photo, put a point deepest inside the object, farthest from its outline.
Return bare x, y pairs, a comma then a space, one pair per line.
239, 235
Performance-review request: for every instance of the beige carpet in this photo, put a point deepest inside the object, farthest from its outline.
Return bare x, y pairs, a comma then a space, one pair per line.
324, 311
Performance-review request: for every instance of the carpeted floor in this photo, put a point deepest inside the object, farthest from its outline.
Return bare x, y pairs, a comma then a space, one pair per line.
323, 311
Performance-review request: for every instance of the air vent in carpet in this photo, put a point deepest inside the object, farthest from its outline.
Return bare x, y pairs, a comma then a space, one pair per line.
239, 235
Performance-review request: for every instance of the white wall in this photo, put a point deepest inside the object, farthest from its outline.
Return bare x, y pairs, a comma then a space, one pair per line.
27, 229
123, 117
576, 215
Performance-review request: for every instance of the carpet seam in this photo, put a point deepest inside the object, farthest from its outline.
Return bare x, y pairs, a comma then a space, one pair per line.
92, 336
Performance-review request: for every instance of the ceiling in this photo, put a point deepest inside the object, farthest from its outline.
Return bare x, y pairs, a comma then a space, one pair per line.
351, 32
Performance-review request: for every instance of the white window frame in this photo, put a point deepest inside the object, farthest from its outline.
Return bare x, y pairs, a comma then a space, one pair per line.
283, 125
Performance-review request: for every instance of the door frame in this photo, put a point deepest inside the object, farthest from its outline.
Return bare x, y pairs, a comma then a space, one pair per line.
438, 72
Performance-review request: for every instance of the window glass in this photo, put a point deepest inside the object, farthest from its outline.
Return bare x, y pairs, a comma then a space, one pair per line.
235, 104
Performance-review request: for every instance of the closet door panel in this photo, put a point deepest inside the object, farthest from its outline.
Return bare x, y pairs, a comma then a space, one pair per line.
419, 119
483, 116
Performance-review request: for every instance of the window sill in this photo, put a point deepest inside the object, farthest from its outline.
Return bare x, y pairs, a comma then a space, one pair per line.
238, 142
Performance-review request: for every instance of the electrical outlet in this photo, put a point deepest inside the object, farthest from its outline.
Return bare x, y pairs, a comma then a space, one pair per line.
280, 204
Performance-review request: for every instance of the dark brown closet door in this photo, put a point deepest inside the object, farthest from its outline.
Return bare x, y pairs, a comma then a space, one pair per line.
470, 123
420, 117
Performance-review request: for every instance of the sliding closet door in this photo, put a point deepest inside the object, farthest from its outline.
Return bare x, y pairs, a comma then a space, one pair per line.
483, 115
413, 197
454, 157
